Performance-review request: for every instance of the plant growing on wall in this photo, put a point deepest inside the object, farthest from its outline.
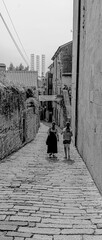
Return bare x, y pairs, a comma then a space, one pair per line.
11, 99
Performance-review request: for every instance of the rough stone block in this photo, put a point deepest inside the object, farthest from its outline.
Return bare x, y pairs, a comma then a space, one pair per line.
45, 231
6, 238
92, 237
68, 237
40, 237
28, 219
18, 234
98, 231
77, 231
8, 227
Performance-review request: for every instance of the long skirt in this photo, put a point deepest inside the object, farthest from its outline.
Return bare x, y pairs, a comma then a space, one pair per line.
52, 143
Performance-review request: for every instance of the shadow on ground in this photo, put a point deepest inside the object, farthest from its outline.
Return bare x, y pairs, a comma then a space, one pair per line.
51, 159
69, 162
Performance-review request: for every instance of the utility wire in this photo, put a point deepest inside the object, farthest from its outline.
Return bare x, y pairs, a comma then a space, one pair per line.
14, 40
15, 29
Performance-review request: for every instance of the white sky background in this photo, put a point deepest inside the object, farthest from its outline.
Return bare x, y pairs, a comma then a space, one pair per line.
42, 25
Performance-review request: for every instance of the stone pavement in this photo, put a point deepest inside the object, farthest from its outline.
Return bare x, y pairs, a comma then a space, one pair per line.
47, 199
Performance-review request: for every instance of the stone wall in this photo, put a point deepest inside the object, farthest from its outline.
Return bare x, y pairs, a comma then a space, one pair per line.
9, 135
89, 126
17, 131
19, 122
66, 58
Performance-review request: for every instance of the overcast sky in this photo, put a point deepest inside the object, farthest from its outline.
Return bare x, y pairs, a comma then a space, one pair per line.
42, 25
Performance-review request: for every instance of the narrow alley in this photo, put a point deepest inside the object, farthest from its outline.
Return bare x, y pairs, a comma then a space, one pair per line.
47, 199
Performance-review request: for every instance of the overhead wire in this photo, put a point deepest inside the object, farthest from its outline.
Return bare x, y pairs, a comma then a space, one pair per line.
14, 28
13, 40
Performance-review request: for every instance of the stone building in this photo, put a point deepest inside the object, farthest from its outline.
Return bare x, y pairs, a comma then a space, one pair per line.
62, 67
87, 84
62, 83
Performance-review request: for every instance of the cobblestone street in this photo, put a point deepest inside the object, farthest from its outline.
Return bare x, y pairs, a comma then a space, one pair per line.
47, 199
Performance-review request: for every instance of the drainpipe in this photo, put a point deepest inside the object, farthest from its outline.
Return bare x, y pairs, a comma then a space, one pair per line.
77, 72
56, 93
56, 75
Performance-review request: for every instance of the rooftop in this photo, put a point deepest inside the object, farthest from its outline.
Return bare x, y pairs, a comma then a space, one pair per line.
24, 78
60, 48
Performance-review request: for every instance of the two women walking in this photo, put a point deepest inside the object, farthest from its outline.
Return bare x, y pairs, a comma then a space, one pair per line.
53, 138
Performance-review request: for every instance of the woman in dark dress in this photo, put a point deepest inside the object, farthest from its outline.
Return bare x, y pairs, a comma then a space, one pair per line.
52, 140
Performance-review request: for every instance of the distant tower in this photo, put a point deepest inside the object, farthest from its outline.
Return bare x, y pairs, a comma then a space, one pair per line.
38, 64
32, 62
43, 65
